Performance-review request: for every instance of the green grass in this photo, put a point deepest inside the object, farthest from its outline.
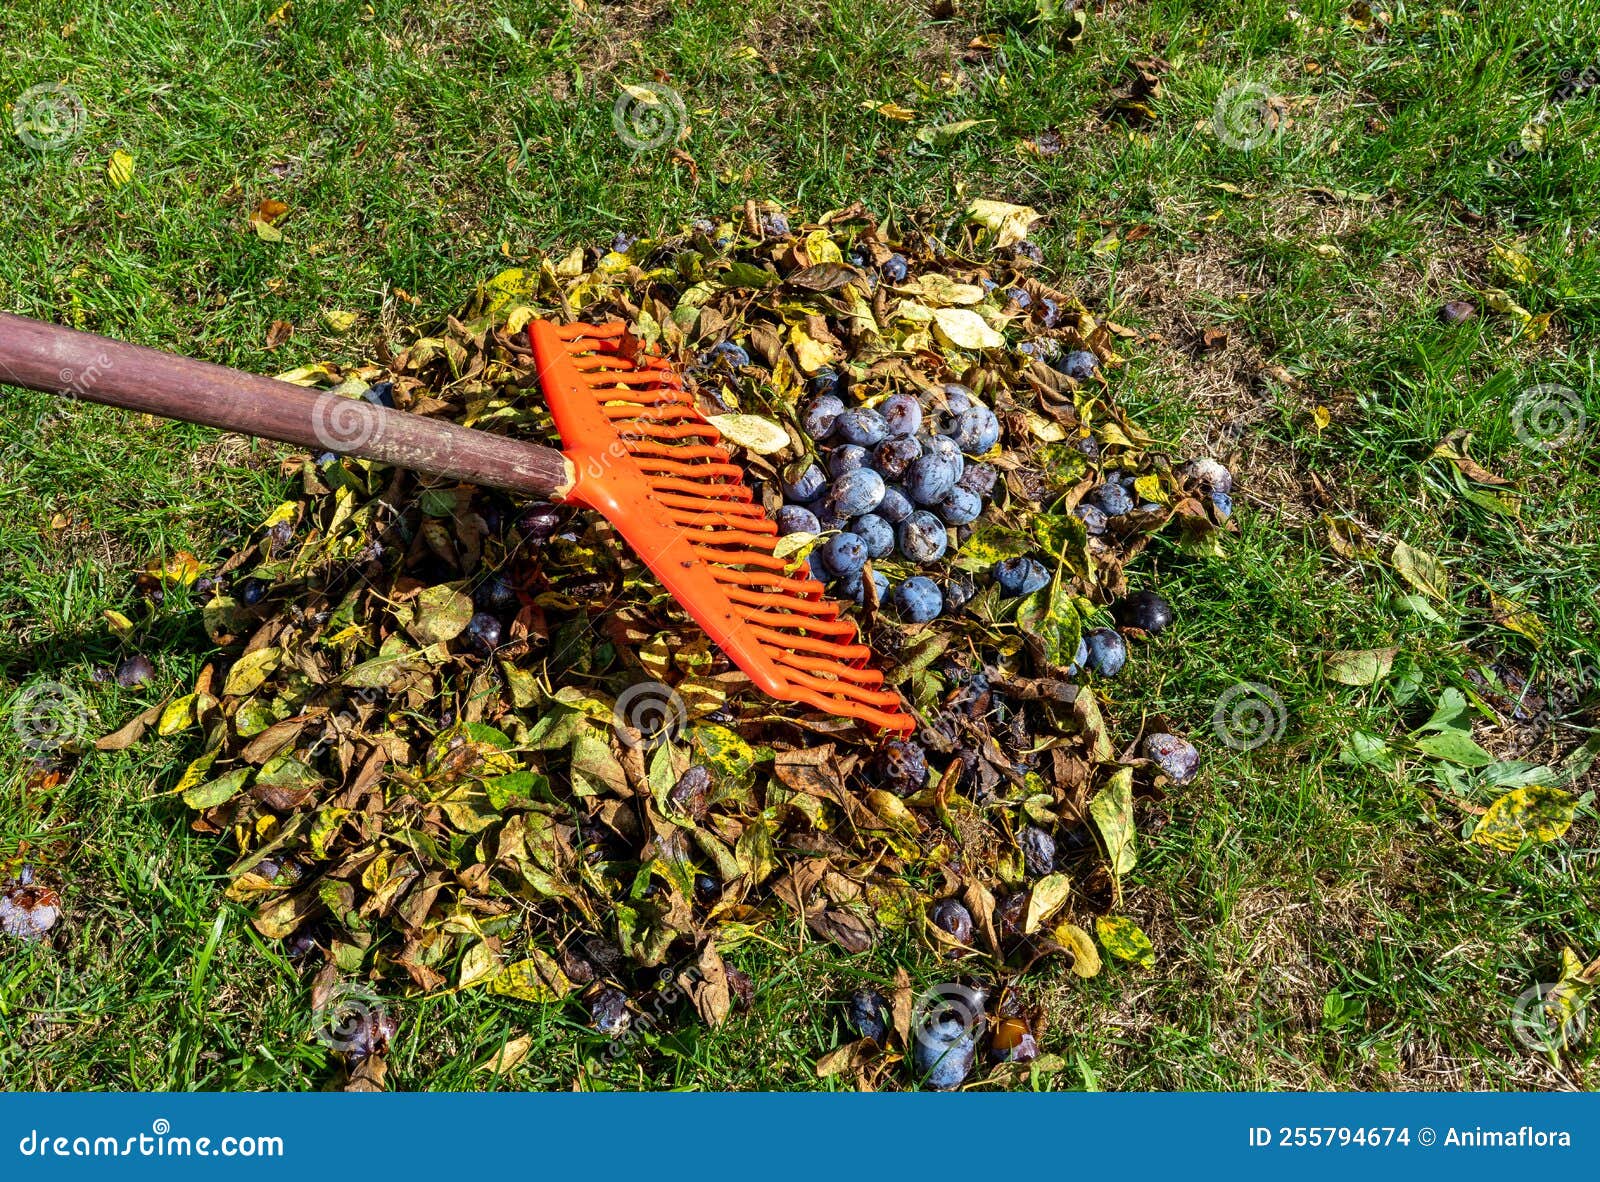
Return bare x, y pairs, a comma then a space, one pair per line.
418, 146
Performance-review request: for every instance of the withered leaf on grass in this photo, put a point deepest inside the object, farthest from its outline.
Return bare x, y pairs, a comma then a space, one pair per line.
1422, 570
1534, 813
1366, 666
537, 978
1112, 812
1124, 940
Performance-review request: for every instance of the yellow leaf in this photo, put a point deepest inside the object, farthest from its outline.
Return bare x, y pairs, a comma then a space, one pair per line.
821, 248
811, 353
757, 434
1112, 813
1536, 813
890, 111
1422, 570
120, 624
1008, 223
340, 321
1321, 417
965, 329
120, 168
1512, 264
513, 285
178, 715
250, 670
1125, 941
287, 511
1149, 488
1518, 617
1366, 666
181, 570
508, 1057
1085, 956
1048, 896
537, 979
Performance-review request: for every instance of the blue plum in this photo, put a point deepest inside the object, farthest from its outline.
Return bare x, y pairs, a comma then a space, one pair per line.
809, 483
847, 457
856, 492
960, 507
1112, 499
821, 415
895, 269
1108, 652
877, 533
894, 455
1020, 576
978, 478
977, 430
855, 586
923, 538
1079, 365
844, 554
895, 506
730, 353
919, 599
1093, 519
794, 519
863, 427
902, 413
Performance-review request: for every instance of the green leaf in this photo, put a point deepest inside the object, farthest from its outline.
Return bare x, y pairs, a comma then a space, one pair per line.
1048, 896
1363, 748
1536, 813
538, 978
1366, 666
250, 670
1514, 773
1422, 570
1112, 812
1062, 627
440, 614
213, 793
1451, 714
1125, 941
1455, 747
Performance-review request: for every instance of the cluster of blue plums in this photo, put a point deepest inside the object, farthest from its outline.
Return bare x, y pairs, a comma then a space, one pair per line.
893, 480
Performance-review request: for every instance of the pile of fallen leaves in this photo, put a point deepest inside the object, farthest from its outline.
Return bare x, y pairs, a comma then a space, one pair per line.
422, 801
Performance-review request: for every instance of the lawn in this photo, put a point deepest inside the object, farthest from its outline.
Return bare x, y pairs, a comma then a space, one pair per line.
1279, 221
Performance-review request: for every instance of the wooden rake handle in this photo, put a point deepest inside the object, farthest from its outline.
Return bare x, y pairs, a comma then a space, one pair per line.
93, 368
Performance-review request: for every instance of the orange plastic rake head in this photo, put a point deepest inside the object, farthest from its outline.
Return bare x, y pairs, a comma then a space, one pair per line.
650, 463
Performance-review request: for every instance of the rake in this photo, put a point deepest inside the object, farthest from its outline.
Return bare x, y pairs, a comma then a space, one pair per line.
637, 450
